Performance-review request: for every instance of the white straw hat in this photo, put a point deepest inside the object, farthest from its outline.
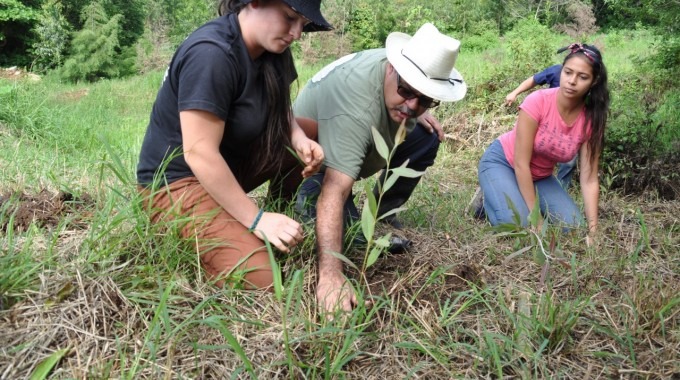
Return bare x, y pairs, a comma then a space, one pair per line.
426, 61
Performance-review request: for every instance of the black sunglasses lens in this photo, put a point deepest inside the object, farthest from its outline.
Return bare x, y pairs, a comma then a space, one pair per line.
404, 93
425, 102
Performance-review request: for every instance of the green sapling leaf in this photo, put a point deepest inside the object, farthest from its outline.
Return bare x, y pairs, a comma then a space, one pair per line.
367, 222
380, 144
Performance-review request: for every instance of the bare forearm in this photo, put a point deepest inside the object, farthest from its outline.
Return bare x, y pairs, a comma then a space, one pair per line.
526, 186
590, 185
524, 86
329, 232
202, 133
218, 180
591, 196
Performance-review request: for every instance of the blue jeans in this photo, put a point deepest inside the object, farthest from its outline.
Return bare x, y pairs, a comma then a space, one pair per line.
565, 171
498, 182
420, 148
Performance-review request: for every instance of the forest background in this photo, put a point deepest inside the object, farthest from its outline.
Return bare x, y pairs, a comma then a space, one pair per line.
84, 40
90, 289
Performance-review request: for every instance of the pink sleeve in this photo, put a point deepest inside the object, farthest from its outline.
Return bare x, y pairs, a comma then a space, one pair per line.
533, 104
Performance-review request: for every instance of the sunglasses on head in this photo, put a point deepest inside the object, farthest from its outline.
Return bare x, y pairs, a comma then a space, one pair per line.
408, 94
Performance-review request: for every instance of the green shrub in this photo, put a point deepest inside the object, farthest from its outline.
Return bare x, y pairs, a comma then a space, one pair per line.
666, 121
668, 55
482, 36
642, 140
53, 37
530, 47
363, 28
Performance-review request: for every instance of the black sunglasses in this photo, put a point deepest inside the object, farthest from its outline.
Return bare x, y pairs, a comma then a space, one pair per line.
408, 94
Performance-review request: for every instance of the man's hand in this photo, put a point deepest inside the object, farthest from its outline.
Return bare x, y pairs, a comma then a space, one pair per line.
431, 123
334, 293
310, 153
281, 231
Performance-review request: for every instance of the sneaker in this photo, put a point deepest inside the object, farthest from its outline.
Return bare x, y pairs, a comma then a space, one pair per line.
397, 244
476, 205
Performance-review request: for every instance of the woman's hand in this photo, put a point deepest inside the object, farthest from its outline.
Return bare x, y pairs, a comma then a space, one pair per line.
309, 152
282, 232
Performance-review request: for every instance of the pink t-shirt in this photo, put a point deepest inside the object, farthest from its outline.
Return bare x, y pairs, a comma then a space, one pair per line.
555, 141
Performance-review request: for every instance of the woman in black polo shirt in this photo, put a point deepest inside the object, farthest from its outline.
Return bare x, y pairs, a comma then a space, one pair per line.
221, 126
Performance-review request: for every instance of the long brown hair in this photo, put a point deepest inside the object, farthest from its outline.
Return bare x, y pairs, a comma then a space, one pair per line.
278, 71
597, 100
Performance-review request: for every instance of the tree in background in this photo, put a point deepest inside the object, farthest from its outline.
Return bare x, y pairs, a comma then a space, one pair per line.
52, 37
16, 19
579, 21
133, 14
94, 49
184, 16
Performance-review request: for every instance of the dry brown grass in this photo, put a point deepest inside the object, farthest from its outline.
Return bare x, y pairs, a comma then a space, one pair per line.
452, 307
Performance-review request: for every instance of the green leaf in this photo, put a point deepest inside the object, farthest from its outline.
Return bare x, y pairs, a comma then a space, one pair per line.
516, 253
539, 257
219, 325
401, 133
367, 222
515, 214
342, 258
373, 256
370, 197
389, 182
383, 241
407, 172
62, 294
392, 211
45, 367
276, 271
380, 144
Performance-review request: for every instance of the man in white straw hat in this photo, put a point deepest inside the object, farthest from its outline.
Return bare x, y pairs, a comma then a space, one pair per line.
379, 89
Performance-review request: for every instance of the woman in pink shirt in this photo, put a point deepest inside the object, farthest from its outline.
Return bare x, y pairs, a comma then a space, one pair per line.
553, 126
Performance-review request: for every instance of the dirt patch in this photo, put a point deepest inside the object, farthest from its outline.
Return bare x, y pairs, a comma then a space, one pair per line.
409, 273
72, 96
44, 209
16, 74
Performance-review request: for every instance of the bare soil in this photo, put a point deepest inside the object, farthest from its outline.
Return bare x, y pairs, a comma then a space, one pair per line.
45, 209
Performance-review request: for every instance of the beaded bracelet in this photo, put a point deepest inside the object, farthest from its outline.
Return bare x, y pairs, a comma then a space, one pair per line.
257, 220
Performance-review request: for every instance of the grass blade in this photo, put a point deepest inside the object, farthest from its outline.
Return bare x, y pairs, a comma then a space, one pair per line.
45, 367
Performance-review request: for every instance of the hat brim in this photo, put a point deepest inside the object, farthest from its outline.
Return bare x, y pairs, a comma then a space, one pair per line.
452, 90
318, 22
